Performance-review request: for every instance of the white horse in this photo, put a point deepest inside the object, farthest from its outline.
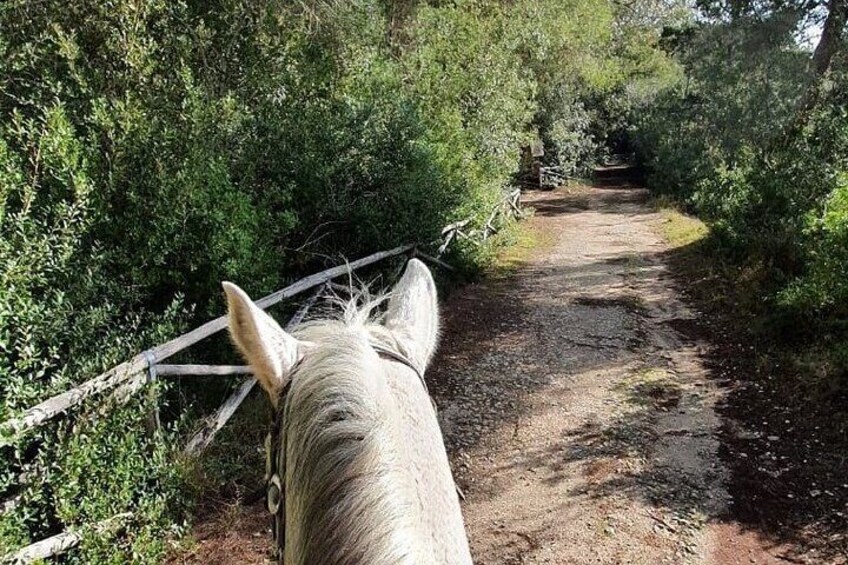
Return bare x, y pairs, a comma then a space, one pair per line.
366, 479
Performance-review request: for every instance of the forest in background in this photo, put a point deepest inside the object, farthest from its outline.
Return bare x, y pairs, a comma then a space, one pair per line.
754, 139
150, 149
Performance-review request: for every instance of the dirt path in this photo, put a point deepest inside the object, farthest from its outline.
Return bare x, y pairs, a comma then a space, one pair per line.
579, 415
576, 406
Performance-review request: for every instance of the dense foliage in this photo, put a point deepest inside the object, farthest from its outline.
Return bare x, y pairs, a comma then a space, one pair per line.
149, 150
753, 137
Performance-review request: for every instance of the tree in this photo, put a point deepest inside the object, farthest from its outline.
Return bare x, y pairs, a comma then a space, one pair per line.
829, 15
829, 46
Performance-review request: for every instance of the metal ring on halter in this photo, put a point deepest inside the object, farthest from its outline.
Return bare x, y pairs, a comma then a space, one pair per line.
275, 491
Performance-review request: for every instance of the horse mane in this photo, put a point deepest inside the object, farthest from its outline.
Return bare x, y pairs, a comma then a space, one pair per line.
348, 497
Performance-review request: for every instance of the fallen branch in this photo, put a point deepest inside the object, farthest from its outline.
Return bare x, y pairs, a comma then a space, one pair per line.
60, 543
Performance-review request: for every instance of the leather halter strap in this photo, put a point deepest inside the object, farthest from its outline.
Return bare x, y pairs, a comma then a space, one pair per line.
275, 451
387, 353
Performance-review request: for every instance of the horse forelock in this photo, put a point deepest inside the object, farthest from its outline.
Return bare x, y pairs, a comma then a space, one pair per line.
349, 498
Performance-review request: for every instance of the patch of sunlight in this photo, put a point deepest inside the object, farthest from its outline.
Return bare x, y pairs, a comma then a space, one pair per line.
679, 229
516, 244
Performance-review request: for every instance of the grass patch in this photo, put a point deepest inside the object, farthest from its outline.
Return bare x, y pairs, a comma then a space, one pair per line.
679, 229
650, 386
515, 245
722, 288
725, 289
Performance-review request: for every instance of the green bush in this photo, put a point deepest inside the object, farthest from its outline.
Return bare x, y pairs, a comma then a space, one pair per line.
55, 302
738, 84
149, 151
724, 140
592, 61
825, 284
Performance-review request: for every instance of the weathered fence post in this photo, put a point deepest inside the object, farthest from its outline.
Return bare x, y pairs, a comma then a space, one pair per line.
154, 423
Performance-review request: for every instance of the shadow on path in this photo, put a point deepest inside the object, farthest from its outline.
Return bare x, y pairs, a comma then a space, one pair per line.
509, 342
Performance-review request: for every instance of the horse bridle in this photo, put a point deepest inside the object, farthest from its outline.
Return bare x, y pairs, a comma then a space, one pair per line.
275, 451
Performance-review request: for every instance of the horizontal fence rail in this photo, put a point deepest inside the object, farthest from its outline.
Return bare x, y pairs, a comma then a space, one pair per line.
60, 543
132, 373
128, 378
201, 370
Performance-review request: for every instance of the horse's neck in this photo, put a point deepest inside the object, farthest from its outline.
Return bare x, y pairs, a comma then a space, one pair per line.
349, 495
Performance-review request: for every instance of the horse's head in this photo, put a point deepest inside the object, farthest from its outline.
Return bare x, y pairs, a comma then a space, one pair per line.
356, 445
411, 319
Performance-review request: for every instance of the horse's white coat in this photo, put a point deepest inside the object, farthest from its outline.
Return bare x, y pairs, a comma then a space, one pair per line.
367, 475
270, 351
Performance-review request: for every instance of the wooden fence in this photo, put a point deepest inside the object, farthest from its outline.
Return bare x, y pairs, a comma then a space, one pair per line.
131, 376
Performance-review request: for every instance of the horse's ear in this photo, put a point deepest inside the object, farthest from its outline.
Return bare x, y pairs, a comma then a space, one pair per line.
270, 351
413, 313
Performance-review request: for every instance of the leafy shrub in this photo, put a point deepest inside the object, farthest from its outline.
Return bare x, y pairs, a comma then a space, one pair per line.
739, 84
569, 138
725, 141
148, 151
825, 283
51, 312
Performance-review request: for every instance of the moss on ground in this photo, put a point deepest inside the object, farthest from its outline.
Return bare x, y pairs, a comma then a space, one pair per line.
515, 246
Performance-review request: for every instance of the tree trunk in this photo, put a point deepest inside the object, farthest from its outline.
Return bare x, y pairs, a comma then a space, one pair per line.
399, 13
829, 45
831, 38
